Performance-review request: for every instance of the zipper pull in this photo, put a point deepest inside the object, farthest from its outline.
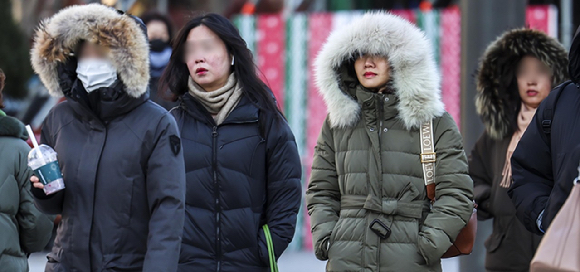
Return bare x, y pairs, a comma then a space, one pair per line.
214, 133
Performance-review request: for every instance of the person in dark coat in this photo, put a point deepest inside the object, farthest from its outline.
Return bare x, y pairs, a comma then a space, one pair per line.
542, 165
24, 229
160, 34
513, 78
120, 154
242, 165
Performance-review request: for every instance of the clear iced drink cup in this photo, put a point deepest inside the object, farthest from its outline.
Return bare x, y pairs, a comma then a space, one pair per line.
42, 160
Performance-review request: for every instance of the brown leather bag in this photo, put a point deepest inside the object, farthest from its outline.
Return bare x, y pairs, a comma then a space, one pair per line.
463, 244
558, 251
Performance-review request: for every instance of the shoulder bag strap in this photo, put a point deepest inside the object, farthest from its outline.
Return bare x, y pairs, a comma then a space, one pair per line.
428, 158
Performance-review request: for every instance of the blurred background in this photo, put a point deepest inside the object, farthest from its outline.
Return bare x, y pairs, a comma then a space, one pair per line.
285, 36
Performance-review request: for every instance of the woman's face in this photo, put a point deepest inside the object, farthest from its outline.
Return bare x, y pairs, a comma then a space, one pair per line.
534, 81
207, 58
372, 71
92, 51
157, 30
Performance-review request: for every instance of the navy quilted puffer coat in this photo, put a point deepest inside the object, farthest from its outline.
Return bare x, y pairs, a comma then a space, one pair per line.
237, 179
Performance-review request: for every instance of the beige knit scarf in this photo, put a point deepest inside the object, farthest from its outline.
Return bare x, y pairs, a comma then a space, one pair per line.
524, 118
221, 102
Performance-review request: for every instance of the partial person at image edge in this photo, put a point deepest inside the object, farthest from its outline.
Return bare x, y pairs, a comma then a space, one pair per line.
542, 165
25, 229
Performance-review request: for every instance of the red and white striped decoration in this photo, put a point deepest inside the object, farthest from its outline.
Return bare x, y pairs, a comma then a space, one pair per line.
271, 53
319, 27
544, 18
450, 56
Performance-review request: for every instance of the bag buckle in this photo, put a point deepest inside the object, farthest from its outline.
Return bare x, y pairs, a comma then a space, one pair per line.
430, 157
378, 227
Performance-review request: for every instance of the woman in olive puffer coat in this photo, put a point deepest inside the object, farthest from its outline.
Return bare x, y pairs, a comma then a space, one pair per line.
379, 80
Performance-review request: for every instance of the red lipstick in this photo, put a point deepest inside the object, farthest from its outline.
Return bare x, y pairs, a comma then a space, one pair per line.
369, 74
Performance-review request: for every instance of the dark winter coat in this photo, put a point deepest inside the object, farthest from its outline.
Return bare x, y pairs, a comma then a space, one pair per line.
367, 164
120, 154
544, 167
238, 179
24, 229
510, 247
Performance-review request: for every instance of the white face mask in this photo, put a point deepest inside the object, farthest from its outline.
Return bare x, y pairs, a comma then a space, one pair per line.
96, 73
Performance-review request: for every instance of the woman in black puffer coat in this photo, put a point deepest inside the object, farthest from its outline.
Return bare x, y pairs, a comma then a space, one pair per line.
241, 160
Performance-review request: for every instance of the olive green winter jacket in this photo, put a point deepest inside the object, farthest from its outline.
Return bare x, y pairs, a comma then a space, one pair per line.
367, 160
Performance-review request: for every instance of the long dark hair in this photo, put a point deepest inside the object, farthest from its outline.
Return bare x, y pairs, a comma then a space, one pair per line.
176, 74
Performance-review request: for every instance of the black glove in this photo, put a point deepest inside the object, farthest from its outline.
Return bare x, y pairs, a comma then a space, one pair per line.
67, 74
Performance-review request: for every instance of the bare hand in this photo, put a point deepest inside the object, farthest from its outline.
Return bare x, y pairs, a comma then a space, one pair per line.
36, 182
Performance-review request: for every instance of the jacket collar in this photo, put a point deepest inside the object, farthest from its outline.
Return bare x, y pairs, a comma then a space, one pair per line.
371, 102
105, 103
414, 71
11, 127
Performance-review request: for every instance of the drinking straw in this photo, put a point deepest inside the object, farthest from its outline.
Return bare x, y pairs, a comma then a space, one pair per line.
33, 140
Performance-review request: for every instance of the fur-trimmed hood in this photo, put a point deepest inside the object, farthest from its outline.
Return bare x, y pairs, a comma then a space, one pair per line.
414, 72
57, 37
496, 100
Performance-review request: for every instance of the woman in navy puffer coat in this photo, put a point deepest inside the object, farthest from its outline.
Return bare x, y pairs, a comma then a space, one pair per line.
242, 163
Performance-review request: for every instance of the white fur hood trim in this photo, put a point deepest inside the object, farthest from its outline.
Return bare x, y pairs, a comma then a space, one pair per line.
414, 71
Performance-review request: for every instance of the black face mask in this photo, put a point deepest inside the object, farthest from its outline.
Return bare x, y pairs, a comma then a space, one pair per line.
158, 45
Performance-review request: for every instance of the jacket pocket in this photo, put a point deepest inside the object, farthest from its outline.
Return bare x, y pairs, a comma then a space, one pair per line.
332, 237
321, 249
334, 233
125, 201
123, 262
493, 242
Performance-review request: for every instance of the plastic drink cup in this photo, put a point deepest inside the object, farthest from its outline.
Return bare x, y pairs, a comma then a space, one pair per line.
43, 161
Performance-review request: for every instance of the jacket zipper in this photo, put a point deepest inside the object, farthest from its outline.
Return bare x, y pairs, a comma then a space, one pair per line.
217, 199
218, 245
380, 185
381, 106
